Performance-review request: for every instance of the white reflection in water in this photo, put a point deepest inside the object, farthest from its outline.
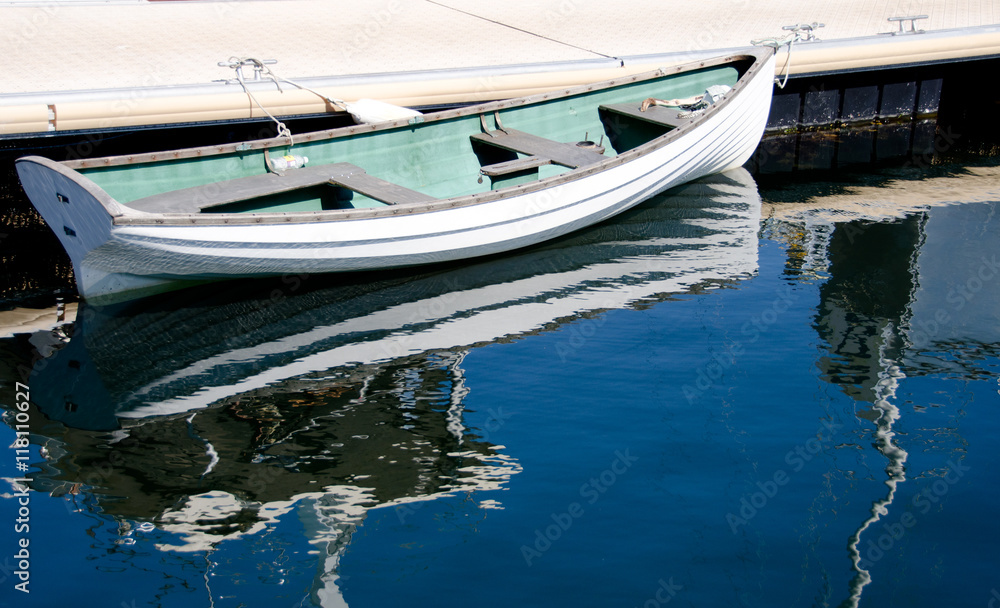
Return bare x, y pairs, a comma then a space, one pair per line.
885, 391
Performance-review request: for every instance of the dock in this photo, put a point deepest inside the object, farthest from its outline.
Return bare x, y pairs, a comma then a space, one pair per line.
120, 65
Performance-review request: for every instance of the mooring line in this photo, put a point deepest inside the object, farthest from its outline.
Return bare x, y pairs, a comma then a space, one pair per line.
530, 33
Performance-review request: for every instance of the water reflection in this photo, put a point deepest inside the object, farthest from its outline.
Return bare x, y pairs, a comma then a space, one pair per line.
170, 356
215, 412
908, 287
225, 426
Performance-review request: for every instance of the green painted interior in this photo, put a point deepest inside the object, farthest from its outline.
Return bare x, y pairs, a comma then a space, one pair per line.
435, 158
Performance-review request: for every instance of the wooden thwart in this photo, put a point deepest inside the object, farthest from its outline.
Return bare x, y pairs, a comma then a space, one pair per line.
346, 175
567, 155
657, 115
378, 189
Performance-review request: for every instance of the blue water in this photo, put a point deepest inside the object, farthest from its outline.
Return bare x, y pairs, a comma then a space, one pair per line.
706, 402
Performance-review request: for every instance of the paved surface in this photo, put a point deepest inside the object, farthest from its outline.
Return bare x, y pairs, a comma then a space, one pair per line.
66, 47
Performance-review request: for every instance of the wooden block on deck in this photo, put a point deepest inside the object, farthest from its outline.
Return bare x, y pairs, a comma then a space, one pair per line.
657, 115
513, 166
567, 155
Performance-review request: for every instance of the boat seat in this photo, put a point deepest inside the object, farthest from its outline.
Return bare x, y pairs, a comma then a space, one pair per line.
217, 194
356, 179
567, 155
657, 115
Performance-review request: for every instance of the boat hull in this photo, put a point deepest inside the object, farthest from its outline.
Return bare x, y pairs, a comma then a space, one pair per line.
119, 253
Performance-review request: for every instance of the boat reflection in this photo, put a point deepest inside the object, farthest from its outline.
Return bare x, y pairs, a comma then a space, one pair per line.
211, 413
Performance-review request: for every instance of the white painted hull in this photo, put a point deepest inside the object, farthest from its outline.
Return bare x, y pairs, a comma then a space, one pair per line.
136, 258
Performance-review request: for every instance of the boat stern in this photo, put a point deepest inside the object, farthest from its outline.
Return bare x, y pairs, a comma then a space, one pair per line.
78, 211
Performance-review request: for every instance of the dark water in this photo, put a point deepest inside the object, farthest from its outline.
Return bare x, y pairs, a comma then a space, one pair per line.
782, 394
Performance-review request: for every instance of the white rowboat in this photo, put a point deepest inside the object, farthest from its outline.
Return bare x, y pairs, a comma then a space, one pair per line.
451, 185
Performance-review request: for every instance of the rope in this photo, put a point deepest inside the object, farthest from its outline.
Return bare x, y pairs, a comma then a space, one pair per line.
340, 103
788, 65
776, 43
524, 31
237, 63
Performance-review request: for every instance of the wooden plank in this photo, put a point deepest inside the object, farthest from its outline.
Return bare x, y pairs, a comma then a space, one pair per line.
567, 155
378, 189
513, 166
217, 194
657, 115
198, 198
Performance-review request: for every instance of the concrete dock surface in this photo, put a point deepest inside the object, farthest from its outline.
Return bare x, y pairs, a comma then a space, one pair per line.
73, 66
